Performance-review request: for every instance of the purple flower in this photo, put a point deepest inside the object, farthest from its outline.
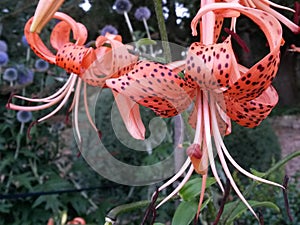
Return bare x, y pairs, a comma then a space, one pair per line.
142, 13
10, 74
41, 65
122, 6
108, 29
24, 41
25, 75
24, 116
3, 46
3, 58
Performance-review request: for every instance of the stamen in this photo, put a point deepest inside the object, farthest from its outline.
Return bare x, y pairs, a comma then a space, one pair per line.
220, 142
87, 112
226, 169
177, 189
177, 175
53, 96
208, 133
63, 102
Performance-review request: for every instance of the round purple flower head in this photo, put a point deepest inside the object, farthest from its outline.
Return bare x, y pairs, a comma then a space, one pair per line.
122, 6
108, 29
3, 58
25, 75
41, 65
10, 74
142, 13
3, 46
24, 116
24, 41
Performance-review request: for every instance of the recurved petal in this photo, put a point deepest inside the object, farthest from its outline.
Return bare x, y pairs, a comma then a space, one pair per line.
252, 113
75, 59
60, 34
59, 38
130, 113
112, 60
258, 78
37, 45
212, 66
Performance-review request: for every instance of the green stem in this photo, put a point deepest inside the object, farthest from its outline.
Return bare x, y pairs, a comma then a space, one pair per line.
162, 29
148, 34
129, 25
282, 162
121, 209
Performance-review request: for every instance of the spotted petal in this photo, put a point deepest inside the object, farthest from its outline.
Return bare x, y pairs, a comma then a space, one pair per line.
260, 76
157, 87
251, 113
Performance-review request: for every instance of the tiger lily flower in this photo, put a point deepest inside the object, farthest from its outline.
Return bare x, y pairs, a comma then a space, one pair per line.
220, 88
86, 65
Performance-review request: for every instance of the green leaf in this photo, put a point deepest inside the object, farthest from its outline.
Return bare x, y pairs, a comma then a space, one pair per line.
7, 161
24, 179
51, 202
145, 41
236, 211
193, 188
158, 224
185, 213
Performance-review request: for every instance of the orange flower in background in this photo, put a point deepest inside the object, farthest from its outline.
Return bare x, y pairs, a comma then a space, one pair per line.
76, 220
220, 88
91, 66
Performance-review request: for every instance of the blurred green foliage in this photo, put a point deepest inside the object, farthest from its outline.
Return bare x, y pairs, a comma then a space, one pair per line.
255, 148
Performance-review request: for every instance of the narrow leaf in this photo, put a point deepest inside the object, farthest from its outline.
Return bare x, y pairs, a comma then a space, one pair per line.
185, 213
193, 188
242, 208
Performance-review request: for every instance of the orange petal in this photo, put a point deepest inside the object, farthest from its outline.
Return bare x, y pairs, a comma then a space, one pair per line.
41, 50
130, 113
60, 34
155, 86
111, 62
212, 66
75, 59
251, 113
254, 81
37, 45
